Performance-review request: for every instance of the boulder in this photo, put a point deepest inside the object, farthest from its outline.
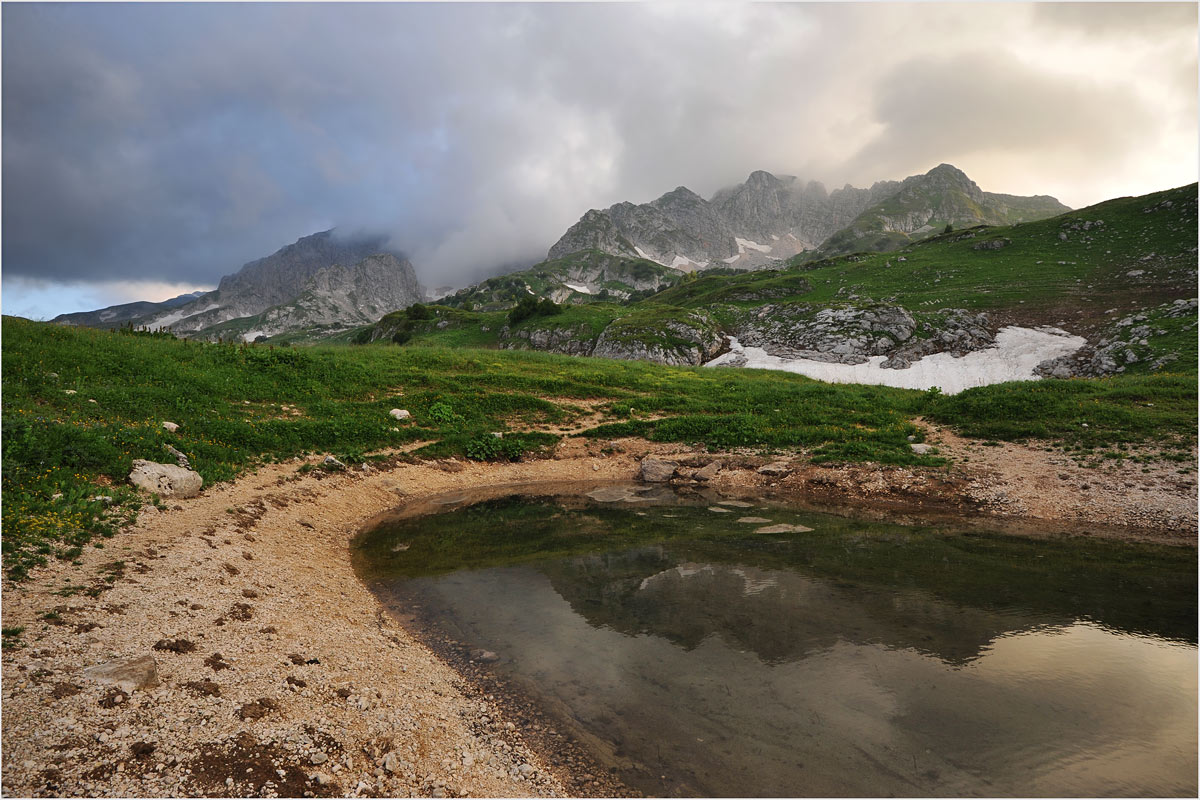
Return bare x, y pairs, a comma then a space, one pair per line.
709, 471
656, 470
126, 674
167, 480
920, 449
777, 469
171, 426
399, 413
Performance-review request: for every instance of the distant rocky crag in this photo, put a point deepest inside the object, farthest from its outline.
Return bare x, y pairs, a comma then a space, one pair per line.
770, 218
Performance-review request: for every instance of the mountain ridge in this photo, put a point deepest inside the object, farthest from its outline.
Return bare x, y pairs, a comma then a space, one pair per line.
769, 218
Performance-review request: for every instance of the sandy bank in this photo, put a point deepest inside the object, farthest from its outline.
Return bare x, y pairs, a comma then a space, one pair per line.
315, 689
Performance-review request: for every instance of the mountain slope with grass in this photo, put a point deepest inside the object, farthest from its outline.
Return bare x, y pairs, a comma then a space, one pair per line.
1121, 274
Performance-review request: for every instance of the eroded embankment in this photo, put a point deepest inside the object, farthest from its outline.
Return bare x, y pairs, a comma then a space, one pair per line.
279, 673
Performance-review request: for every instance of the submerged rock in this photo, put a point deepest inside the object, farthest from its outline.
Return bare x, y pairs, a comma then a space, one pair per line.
784, 528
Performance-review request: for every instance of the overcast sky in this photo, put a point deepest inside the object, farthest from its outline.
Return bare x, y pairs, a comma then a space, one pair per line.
149, 149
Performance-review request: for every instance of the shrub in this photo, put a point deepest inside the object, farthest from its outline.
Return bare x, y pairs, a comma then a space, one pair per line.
419, 311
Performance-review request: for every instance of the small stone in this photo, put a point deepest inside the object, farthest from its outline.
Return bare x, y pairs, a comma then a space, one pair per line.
330, 461
391, 762
525, 769
171, 426
318, 758
736, 504
777, 469
708, 471
319, 778
719, 510
920, 449
753, 520
485, 656
399, 413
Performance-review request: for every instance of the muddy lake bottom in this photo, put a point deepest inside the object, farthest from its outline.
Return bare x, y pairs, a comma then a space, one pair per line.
691, 646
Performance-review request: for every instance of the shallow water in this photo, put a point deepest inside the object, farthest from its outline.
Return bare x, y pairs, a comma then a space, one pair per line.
699, 657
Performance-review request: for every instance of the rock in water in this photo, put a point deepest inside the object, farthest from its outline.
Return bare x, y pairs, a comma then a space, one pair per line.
655, 470
126, 674
783, 528
167, 480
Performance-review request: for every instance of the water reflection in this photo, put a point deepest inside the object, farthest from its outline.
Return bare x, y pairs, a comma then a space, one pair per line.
857, 660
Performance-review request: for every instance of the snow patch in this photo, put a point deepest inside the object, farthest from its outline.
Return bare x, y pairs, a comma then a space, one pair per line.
681, 263
746, 244
578, 287
107, 315
175, 316
250, 336
643, 254
732, 259
1017, 352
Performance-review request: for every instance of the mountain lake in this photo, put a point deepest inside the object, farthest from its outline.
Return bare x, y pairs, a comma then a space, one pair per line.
699, 646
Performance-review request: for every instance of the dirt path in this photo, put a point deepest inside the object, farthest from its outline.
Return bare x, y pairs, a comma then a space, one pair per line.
315, 691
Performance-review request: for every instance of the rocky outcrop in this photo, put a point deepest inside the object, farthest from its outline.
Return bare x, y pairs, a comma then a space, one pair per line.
568, 340
686, 340
843, 335
959, 333
594, 231
337, 297
1126, 342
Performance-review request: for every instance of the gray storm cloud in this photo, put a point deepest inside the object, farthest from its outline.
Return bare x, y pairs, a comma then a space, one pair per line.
173, 143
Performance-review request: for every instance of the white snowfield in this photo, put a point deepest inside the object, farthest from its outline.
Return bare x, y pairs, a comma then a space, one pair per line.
747, 244
578, 287
1017, 352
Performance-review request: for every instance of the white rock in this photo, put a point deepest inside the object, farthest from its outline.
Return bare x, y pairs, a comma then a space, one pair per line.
127, 674
171, 426
919, 448
399, 413
167, 480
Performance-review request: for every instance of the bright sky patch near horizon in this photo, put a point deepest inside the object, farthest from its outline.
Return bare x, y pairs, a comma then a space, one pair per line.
149, 149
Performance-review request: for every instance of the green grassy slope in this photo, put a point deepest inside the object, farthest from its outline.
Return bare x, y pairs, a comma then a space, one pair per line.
241, 404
